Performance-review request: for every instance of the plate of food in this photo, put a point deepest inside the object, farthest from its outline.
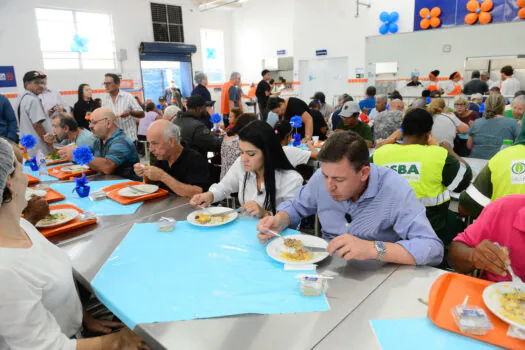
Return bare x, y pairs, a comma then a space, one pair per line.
507, 301
212, 216
74, 168
34, 193
137, 190
291, 249
57, 217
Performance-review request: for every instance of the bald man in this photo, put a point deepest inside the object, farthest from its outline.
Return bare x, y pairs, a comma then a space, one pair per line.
389, 121
180, 170
114, 151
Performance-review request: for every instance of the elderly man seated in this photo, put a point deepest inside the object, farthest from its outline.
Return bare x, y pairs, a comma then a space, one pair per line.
180, 170
367, 211
387, 122
518, 108
67, 131
114, 151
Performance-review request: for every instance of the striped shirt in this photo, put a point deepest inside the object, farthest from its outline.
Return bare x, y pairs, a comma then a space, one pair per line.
387, 211
124, 102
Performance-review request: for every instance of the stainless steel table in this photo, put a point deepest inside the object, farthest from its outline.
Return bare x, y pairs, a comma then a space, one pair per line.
356, 281
397, 297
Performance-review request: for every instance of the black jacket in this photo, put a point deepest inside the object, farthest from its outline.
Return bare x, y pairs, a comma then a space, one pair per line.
197, 135
475, 86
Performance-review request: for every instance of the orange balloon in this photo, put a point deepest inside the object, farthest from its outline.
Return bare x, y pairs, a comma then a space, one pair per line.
471, 18
521, 13
487, 5
472, 5
436, 11
424, 12
435, 22
521, 3
485, 18
424, 24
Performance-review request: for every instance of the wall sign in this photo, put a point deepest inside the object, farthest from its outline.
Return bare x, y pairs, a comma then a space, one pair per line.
7, 76
281, 52
321, 52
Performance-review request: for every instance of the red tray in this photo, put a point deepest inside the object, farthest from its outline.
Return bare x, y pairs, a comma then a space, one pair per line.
72, 225
32, 180
67, 175
113, 189
52, 196
450, 290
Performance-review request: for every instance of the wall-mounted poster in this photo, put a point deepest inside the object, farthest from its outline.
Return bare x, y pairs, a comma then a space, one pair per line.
7, 76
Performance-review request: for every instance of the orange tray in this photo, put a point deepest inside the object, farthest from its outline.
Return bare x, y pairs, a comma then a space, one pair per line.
53, 196
66, 176
72, 225
450, 290
125, 200
32, 180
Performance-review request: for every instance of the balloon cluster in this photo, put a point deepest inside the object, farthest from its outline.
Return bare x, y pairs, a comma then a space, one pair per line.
389, 22
79, 44
296, 122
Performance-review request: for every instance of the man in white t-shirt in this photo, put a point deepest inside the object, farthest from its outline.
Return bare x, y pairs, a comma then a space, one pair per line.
509, 84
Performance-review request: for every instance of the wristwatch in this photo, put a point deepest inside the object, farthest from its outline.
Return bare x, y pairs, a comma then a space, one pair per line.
381, 250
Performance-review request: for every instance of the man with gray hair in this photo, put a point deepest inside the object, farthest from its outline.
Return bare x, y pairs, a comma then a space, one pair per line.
180, 170
201, 79
518, 108
66, 130
381, 101
171, 113
231, 96
389, 121
485, 76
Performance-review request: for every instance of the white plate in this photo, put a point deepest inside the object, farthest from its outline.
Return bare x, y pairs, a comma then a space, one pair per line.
215, 221
491, 296
142, 190
69, 215
276, 247
30, 193
74, 168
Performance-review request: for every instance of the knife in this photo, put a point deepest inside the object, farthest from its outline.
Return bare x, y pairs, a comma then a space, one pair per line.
314, 249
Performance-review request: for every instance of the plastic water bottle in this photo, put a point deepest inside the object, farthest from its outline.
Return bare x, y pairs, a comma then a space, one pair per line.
42, 165
506, 144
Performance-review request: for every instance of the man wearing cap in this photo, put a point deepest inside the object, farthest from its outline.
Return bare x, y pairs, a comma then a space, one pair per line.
195, 133
475, 85
325, 109
52, 101
123, 105
414, 80
263, 94
32, 117
350, 114
476, 100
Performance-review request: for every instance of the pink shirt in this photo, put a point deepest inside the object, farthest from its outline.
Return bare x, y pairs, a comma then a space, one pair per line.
145, 122
503, 221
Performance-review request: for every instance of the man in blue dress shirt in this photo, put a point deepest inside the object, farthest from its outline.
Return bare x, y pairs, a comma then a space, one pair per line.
367, 211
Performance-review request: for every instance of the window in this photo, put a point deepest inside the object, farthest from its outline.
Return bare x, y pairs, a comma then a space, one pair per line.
75, 40
212, 47
167, 23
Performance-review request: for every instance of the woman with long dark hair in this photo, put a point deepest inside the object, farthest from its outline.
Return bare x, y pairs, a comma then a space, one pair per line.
262, 175
296, 156
84, 105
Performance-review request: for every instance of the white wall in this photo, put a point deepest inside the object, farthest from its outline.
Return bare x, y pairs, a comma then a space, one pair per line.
19, 43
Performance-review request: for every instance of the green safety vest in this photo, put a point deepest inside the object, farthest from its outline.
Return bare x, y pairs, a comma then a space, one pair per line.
422, 166
507, 169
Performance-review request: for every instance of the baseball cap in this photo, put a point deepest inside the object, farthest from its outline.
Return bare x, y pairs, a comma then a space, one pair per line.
349, 108
32, 75
476, 97
195, 101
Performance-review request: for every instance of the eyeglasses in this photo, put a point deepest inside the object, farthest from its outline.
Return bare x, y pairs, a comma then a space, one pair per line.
107, 83
459, 104
95, 122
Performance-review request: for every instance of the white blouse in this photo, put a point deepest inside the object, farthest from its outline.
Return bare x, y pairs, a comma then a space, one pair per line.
287, 184
39, 305
297, 156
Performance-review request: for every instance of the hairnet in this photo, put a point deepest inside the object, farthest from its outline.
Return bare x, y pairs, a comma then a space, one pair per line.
7, 159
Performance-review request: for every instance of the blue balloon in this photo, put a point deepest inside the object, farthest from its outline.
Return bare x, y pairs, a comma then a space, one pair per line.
383, 29
384, 16
393, 28
216, 118
394, 16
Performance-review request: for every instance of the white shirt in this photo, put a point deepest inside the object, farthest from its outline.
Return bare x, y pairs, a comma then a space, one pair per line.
124, 102
39, 304
287, 184
449, 86
297, 156
51, 98
510, 86
32, 112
